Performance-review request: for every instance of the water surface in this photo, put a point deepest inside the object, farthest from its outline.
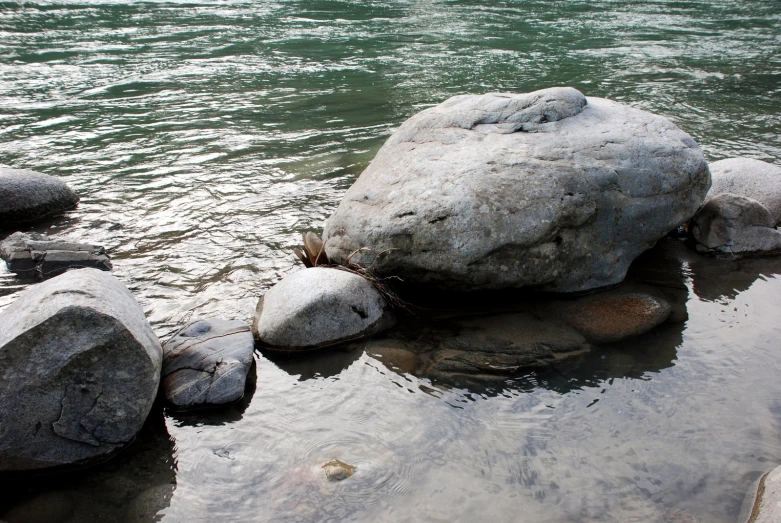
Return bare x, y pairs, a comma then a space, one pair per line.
204, 138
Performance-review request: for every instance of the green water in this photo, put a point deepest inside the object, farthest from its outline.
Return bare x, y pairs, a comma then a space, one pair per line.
204, 137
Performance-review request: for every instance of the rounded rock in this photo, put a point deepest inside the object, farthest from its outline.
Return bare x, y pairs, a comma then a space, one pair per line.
755, 179
28, 197
607, 318
735, 225
319, 307
79, 371
546, 189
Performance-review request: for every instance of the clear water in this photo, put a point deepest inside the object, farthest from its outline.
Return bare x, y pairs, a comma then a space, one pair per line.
204, 137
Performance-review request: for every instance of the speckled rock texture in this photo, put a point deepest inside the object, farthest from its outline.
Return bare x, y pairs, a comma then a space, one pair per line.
735, 225
37, 255
319, 307
763, 502
751, 178
613, 316
28, 197
79, 371
546, 189
207, 362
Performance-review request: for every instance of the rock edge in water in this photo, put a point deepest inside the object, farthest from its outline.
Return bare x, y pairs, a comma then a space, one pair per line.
33, 254
79, 372
206, 363
28, 197
319, 307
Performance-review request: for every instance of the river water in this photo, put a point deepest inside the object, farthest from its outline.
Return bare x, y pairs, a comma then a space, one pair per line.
203, 138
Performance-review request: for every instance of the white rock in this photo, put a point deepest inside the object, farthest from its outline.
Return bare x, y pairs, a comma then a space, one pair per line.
319, 307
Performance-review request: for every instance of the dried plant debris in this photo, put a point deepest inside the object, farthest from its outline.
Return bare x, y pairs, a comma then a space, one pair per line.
314, 256
314, 251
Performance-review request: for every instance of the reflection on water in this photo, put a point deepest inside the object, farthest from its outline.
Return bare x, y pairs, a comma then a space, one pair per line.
133, 486
203, 139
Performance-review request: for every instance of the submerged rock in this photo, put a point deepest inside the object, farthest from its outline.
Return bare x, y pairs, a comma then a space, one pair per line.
755, 179
33, 254
29, 197
763, 502
319, 307
613, 316
338, 470
546, 189
79, 371
207, 362
732, 224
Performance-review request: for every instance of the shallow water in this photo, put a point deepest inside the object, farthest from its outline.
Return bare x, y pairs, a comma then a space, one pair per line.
203, 139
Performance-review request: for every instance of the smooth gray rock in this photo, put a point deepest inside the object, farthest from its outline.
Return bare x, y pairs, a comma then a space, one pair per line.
29, 197
732, 224
79, 371
545, 189
207, 362
33, 254
319, 307
751, 178
763, 501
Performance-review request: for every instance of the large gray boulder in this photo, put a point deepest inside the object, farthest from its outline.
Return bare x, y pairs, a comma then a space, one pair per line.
735, 225
751, 178
207, 362
29, 197
33, 254
79, 371
546, 189
319, 307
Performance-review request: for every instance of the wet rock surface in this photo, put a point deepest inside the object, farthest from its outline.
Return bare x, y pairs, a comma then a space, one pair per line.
547, 189
79, 371
735, 225
755, 179
613, 316
763, 501
38, 255
28, 197
338, 470
207, 362
319, 307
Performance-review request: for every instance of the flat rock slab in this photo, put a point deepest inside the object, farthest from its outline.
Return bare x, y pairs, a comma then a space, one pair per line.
79, 371
735, 225
207, 362
27, 197
755, 179
33, 254
319, 307
546, 189
611, 317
